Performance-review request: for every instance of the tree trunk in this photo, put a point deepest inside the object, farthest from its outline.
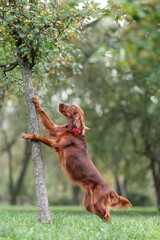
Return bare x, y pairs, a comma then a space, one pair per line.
38, 165
158, 196
10, 173
156, 179
18, 186
120, 187
2, 95
8, 149
118, 184
25, 161
76, 192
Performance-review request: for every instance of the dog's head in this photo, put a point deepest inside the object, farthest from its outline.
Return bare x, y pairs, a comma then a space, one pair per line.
74, 115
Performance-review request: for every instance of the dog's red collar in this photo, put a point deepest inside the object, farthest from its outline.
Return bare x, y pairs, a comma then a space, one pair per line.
73, 129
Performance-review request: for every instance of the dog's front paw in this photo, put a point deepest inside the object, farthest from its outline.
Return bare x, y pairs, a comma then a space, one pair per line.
23, 135
36, 100
27, 136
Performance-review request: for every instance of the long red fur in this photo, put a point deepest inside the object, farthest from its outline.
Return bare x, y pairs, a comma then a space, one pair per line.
71, 148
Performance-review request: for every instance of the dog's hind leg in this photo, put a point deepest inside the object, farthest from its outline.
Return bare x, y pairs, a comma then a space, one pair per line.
100, 205
87, 200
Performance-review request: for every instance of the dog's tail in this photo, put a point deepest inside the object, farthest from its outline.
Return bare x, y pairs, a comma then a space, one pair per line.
118, 202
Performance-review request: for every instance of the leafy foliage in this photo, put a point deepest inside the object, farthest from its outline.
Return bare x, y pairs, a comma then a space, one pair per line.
140, 33
34, 32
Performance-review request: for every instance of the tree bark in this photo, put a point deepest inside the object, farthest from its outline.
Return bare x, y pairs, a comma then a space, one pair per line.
38, 165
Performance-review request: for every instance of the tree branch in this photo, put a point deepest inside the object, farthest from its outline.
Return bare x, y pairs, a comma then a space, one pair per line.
11, 66
8, 144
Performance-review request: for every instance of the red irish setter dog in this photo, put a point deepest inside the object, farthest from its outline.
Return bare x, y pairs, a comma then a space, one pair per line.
71, 146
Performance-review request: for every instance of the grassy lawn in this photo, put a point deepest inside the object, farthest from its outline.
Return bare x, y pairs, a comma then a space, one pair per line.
71, 223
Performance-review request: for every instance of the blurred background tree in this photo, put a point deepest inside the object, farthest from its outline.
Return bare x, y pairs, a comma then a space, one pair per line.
117, 85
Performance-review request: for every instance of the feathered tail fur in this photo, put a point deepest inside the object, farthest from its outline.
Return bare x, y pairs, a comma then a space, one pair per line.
118, 202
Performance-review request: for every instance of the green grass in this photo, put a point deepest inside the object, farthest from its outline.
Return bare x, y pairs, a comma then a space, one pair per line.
20, 223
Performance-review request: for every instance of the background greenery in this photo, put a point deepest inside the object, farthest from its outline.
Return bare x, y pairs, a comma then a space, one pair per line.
108, 64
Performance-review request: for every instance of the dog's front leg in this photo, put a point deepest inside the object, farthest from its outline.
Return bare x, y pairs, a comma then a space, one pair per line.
40, 138
52, 129
62, 143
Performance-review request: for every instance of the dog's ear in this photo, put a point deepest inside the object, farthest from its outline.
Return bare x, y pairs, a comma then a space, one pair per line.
79, 123
76, 121
82, 124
